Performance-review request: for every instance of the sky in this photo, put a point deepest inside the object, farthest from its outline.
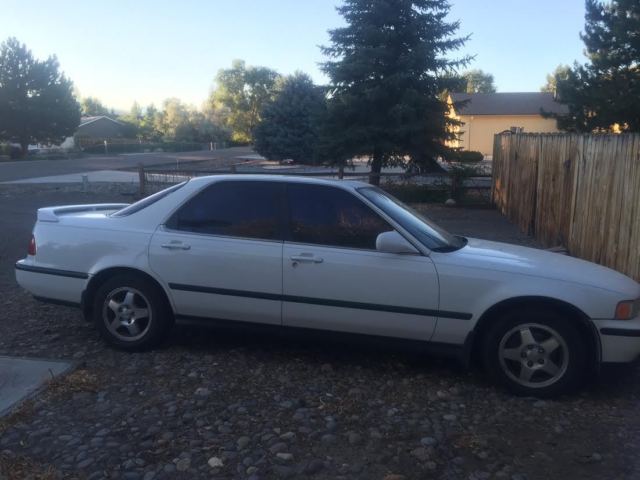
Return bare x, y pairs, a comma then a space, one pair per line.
123, 51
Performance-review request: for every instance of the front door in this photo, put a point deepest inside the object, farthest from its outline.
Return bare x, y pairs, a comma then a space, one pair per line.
221, 253
335, 279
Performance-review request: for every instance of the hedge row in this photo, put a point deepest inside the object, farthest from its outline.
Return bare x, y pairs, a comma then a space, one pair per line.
144, 147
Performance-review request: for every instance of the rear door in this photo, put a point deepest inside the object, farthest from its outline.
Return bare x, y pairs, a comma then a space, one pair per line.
221, 252
335, 279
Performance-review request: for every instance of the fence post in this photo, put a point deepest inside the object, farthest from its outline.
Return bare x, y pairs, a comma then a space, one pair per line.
141, 180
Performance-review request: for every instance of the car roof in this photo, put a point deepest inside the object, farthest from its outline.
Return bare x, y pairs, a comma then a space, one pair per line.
349, 184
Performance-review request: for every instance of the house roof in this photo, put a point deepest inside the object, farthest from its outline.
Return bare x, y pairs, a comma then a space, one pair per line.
87, 120
507, 103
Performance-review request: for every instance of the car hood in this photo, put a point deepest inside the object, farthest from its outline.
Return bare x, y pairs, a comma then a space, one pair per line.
544, 264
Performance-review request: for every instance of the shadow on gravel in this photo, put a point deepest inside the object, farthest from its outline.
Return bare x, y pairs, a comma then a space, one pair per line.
616, 381
373, 353
316, 347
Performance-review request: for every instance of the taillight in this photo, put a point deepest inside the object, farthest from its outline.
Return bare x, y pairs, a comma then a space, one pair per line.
32, 246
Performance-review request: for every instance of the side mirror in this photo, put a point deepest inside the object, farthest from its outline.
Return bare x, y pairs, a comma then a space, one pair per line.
393, 242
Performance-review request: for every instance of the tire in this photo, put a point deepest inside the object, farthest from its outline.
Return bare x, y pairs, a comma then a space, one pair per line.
536, 352
131, 313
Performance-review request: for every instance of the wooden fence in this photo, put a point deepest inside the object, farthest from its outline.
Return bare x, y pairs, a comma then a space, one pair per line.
579, 191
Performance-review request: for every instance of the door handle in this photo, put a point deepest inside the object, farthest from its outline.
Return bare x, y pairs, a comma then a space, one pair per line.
176, 246
302, 258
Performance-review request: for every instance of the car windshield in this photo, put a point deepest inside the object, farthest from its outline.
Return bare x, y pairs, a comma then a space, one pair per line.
145, 202
426, 231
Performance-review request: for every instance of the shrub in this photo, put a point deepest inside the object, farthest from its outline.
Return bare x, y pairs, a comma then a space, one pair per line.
9, 150
144, 147
466, 156
412, 193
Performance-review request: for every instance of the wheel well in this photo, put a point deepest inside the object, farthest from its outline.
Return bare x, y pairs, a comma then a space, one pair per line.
580, 319
102, 276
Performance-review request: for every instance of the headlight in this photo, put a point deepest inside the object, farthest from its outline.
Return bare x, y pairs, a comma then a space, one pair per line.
627, 310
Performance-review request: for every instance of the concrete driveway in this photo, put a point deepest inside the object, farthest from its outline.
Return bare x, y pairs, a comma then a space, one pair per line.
21, 377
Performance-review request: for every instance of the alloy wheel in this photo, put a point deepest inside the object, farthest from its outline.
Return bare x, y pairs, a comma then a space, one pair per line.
127, 314
533, 355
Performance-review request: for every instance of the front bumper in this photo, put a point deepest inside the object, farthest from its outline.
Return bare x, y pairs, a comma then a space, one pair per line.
619, 339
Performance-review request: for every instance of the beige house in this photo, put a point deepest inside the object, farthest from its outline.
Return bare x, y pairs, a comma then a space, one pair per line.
485, 114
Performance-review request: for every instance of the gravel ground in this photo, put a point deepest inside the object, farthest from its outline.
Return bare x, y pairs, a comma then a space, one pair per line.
212, 404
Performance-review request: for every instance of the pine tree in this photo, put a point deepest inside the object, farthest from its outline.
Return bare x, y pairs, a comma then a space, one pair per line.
606, 90
387, 67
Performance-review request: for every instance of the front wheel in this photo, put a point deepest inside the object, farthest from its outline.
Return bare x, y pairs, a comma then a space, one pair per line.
131, 313
536, 352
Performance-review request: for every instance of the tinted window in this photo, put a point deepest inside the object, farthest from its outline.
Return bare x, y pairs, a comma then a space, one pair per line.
331, 216
429, 233
237, 209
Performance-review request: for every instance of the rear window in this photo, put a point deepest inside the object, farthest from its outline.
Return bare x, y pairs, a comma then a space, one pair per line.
145, 202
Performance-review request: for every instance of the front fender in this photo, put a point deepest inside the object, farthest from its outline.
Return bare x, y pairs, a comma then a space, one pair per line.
476, 291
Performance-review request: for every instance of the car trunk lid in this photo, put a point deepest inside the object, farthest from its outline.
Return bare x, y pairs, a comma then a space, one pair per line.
54, 214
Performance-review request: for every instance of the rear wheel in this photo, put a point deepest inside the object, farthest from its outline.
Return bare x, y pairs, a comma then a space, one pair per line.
131, 313
536, 352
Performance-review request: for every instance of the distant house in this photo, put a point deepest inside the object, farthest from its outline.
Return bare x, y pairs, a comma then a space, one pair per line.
91, 131
485, 114
94, 130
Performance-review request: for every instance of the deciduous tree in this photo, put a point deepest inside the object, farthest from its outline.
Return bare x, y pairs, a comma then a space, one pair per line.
478, 81
174, 121
240, 95
148, 124
178, 122
207, 127
92, 106
37, 104
132, 121
560, 74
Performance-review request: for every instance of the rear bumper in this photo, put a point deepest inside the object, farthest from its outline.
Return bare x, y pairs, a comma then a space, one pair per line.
620, 340
61, 286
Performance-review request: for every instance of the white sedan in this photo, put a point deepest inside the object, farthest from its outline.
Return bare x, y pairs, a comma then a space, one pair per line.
338, 256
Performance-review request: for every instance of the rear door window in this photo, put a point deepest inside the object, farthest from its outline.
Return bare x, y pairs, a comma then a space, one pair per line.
247, 209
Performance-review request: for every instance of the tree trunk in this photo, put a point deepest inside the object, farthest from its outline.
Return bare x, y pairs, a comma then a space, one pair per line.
429, 165
376, 167
24, 147
425, 163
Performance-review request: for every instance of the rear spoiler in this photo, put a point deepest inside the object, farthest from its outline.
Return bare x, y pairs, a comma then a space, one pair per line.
51, 214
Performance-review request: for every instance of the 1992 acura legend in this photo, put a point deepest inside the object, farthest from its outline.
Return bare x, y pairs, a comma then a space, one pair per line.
338, 256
